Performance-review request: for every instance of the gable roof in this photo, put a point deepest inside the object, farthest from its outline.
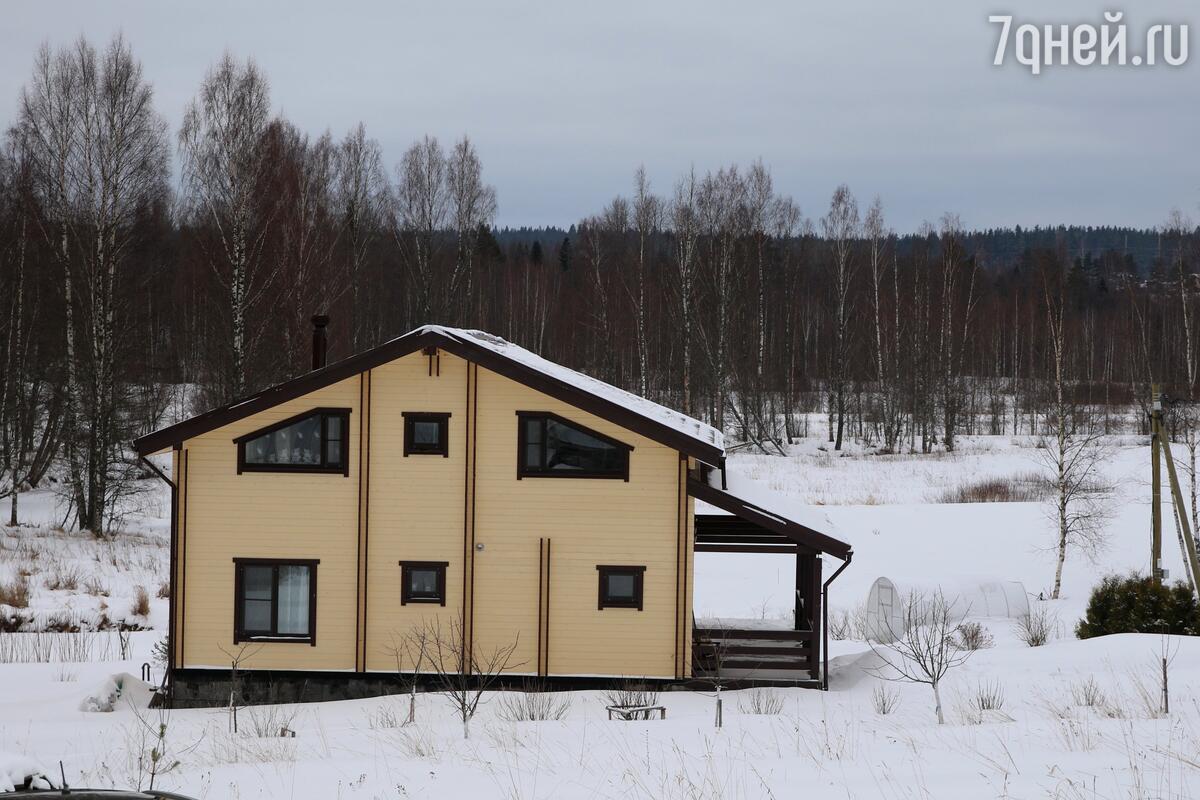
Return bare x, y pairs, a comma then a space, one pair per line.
654, 421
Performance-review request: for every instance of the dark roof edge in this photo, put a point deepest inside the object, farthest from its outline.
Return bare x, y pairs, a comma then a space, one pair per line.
402, 346
744, 509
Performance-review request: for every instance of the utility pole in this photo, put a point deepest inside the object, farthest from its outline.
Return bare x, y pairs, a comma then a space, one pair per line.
1155, 485
1159, 442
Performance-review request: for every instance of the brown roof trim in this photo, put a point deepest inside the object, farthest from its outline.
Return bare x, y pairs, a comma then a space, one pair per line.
412, 342
801, 534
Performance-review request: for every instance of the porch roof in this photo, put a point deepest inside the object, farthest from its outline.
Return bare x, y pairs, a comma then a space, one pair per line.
747, 526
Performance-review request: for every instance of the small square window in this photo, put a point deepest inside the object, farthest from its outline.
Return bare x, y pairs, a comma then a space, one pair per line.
426, 434
621, 587
423, 582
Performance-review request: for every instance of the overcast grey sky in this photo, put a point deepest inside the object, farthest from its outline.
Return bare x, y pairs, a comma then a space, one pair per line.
565, 99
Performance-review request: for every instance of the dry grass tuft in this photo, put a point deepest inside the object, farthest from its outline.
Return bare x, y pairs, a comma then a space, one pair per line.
141, 602
164, 590
15, 593
63, 578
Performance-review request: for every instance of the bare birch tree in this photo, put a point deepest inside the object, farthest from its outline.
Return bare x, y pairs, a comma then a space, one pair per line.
99, 151
223, 172
472, 207
361, 196
840, 227
685, 221
423, 204
1075, 450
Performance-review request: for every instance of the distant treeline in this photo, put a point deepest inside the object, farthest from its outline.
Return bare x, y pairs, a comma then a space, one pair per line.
714, 295
1139, 248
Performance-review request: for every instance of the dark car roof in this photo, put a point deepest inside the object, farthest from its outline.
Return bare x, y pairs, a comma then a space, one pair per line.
93, 794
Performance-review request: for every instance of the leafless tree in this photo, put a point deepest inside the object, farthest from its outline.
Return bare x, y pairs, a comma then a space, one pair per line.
411, 654
1075, 449
99, 155
464, 677
361, 198
647, 211
929, 647
472, 208
684, 220
423, 203
224, 172
306, 233
840, 226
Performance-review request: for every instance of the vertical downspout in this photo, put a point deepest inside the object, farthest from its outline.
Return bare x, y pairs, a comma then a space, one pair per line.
825, 620
173, 562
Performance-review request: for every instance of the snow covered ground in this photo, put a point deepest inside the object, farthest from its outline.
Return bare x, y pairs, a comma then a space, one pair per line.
1075, 719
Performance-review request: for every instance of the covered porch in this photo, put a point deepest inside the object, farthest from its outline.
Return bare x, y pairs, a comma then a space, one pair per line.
766, 652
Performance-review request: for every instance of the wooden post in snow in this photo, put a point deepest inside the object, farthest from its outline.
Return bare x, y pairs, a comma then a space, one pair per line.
1155, 486
1177, 495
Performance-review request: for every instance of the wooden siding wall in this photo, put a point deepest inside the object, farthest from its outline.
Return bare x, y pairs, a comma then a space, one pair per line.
416, 501
269, 515
504, 581
590, 522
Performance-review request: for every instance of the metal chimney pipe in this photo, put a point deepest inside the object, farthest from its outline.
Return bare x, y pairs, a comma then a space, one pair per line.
320, 340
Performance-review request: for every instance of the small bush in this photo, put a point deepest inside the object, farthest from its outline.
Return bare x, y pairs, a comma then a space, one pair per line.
270, 721
1015, 489
164, 590
988, 697
1088, 694
1137, 604
761, 701
15, 593
974, 636
632, 695
840, 625
885, 700
141, 603
1036, 627
160, 652
534, 704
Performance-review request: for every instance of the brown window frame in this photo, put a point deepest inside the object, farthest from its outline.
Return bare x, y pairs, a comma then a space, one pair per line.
406, 595
324, 468
639, 585
442, 418
239, 629
524, 471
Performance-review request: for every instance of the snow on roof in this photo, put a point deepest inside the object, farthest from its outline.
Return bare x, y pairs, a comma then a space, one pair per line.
770, 501
686, 425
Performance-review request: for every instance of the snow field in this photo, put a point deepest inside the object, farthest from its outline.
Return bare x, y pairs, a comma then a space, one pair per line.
1071, 719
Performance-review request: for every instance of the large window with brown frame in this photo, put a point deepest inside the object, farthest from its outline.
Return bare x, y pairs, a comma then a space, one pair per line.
275, 600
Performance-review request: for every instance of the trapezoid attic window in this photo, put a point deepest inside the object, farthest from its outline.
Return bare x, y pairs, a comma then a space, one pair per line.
315, 441
550, 446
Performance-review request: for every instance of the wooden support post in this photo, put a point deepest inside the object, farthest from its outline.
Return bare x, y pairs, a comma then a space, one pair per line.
1188, 542
1155, 485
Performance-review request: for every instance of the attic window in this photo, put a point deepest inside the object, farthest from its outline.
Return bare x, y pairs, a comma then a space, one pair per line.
315, 441
550, 446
